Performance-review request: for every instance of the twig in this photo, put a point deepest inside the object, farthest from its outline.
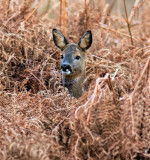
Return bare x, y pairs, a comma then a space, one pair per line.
127, 21
64, 17
60, 15
139, 80
12, 17
108, 11
86, 18
108, 81
94, 95
149, 78
9, 59
133, 10
111, 89
34, 10
117, 32
8, 8
136, 86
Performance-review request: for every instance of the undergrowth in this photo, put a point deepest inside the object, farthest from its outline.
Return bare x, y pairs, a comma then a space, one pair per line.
40, 120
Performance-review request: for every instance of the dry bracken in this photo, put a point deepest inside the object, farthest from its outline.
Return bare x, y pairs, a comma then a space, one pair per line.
38, 117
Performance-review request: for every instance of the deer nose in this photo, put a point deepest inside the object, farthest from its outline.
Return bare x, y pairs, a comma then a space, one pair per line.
66, 67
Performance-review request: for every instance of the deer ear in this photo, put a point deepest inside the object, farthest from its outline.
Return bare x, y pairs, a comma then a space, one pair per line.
86, 40
59, 39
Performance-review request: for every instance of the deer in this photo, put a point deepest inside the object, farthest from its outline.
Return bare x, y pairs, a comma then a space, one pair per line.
73, 61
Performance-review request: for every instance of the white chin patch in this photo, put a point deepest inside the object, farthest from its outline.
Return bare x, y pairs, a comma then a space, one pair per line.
67, 72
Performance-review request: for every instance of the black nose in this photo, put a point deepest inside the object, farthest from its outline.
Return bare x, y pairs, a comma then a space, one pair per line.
64, 67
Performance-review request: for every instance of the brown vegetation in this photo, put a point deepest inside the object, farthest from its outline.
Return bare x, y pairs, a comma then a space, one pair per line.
39, 119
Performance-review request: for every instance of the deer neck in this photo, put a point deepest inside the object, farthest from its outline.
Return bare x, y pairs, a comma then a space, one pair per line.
74, 85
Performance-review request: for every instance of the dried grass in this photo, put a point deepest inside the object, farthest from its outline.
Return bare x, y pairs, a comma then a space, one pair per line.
40, 120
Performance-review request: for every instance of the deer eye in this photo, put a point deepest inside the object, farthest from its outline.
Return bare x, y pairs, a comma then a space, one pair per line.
77, 57
62, 56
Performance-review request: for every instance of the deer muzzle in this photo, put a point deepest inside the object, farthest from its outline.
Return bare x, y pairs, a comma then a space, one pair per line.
66, 69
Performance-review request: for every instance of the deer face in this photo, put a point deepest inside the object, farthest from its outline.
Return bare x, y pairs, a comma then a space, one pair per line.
73, 55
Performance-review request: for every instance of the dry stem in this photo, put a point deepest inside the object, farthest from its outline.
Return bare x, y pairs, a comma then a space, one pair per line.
127, 21
95, 94
64, 18
60, 15
86, 17
131, 96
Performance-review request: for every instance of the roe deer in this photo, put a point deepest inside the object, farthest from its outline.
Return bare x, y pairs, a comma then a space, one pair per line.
73, 61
